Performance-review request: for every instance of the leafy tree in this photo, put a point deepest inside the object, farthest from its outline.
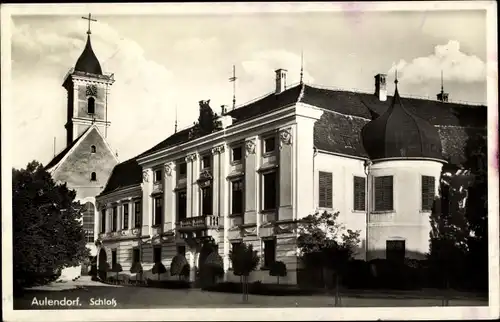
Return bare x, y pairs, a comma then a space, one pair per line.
47, 231
116, 268
476, 210
211, 264
159, 269
179, 266
244, 260
136, 269
327, 244
278, 269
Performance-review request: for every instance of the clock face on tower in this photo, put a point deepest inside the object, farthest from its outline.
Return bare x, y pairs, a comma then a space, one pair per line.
91, 90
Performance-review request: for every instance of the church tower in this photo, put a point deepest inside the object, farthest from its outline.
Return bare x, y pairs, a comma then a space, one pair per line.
88, 88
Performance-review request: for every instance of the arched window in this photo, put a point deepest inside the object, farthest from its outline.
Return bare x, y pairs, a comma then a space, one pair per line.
88, 213
93, 176
91, 105
92, 149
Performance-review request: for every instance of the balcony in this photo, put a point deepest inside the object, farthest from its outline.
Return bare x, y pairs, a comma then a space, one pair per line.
201, 222
135, 232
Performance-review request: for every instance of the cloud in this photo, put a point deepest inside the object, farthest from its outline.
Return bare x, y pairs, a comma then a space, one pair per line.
196, 44
456, 65
141, 101
259, 70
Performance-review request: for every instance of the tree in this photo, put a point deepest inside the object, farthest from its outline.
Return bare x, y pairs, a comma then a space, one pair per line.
179, 266
244, 260
207, 121
136, 269
116, 268
159, 269
327, 244
47, 231
278, 269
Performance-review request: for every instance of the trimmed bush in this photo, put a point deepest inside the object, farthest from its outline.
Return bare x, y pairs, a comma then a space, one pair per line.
278, 269
159, 268
136, 269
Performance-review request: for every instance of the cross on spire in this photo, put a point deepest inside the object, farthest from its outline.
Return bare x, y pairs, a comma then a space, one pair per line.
301, 66
89, 19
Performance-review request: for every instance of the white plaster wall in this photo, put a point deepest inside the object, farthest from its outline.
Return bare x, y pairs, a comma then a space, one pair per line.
343, 170
407, 222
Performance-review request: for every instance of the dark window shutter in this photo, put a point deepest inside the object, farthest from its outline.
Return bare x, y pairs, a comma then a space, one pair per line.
325, 182
428, 186
359, 193
384, 193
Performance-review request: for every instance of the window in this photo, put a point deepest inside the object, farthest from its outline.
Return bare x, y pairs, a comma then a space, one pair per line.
157, 175
206, 201
181, 250
237, 197
125, 216
114, 260
88, 221
395, 250
269, 252
428, 186
269, 144
359, 193
206, 161
137, 215
269, 193
114, 221
93, 176
383, 193
136, 255
92, 149
91, 105
158, 209
182, 170
103, 221
325, 187
237, 154
181, 205
157, 254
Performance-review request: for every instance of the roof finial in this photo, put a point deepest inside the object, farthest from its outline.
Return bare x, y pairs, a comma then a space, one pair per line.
175, 129
89, 19
233, 80
301, 66
442, 86
396, 79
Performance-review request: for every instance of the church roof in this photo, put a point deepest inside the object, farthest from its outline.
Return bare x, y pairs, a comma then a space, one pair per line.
88, 62
345, 114
397, 133
64, 152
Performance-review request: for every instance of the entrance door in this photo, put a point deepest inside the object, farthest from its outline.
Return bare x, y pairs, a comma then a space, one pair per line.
103, 264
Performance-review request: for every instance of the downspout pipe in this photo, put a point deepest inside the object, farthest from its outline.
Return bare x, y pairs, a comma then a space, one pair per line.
367, 164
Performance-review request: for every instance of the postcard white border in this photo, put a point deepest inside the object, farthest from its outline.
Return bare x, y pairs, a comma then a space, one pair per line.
438, 313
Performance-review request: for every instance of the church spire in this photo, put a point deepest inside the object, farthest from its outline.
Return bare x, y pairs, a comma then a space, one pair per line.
88, 62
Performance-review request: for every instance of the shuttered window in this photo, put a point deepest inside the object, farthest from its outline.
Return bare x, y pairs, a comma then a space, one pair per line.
325, 189
103, 221
428, 186
359, 193
384, 193
114, 223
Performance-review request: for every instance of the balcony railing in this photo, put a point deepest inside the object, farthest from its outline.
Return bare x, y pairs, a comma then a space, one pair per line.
201, 222
135, 232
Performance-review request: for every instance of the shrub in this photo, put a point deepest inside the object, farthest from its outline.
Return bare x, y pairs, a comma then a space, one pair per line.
178, 266
159, 269
137, 269
116, 268
278, 269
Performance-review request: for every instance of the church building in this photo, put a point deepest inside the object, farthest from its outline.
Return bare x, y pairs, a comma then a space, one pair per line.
250, 174
87, 160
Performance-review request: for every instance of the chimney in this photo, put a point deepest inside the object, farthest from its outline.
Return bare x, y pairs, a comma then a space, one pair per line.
280, 80
381, 87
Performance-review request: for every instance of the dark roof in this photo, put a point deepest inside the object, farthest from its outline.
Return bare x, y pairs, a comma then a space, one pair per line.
88, 62
61, 155
125, 174
339, 128
400, 134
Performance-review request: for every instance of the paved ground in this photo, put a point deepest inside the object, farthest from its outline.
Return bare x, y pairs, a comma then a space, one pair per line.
130, 297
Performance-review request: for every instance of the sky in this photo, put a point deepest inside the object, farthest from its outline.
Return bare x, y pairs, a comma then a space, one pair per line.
166, 63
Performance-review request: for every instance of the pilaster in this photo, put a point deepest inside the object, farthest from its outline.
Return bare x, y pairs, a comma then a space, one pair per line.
217, 179
286, 166
251, 187
119, 214
224, 202
130, 213
169, 196
147, 206
189, 184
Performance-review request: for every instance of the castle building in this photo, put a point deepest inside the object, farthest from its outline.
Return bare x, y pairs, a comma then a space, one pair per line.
256, 171
87, 160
